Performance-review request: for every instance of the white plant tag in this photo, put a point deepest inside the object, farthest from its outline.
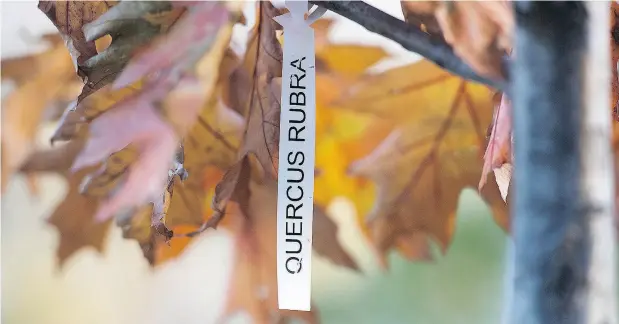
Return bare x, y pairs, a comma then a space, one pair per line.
297, 149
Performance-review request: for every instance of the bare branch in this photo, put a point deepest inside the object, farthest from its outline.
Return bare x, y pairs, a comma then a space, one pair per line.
409, 36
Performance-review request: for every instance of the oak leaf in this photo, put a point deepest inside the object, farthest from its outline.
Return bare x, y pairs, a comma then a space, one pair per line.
345, 136
263, 60
423, 165
100, 58
137, 123
73, 218
263, 63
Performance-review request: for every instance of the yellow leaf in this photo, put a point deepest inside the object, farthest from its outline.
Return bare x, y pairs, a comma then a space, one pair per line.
421, 168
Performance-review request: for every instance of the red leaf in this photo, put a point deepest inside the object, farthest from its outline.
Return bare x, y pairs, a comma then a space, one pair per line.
499, 150
136, 122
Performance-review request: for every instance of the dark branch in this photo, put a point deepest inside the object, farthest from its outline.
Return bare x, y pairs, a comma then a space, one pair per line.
409, 36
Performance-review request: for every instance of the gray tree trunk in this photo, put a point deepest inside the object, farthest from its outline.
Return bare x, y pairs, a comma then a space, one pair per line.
563, 197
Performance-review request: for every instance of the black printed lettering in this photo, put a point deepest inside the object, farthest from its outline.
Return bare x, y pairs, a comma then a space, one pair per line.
294, 199
296, 134
299, 175
292, 229
297, 98
293, 214
297, 80
288, 265
299, 63
294, 173
296, 157
298, 121
298, 245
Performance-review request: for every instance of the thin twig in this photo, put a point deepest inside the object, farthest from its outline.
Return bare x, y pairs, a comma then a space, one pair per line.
410, 37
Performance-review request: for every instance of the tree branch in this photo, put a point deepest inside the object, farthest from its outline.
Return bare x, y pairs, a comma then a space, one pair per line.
409, 36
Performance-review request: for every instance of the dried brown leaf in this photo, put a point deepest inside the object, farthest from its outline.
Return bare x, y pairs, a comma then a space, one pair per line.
132, 24
479, 31
263, 60
75, 222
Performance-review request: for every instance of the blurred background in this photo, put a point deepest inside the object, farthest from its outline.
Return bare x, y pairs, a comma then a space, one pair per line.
465, 286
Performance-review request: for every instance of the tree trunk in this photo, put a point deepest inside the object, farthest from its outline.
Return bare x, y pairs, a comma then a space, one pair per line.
563, 208
551, 236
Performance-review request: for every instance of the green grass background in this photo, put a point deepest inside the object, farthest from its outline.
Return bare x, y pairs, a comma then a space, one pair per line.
464, 286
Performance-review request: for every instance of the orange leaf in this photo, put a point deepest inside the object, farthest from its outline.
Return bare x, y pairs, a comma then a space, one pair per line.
423, 165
